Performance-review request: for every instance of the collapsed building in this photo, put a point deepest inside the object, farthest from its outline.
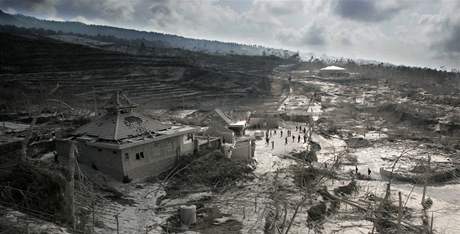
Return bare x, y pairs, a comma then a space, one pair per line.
126, 144
236, 144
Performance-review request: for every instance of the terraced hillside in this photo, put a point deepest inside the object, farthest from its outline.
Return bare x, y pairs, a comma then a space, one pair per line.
85, 75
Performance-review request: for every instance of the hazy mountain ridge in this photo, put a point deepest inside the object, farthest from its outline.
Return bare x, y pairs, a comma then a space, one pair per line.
168, 40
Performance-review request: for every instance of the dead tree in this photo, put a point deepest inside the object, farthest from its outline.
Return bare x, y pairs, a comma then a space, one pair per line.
69, 194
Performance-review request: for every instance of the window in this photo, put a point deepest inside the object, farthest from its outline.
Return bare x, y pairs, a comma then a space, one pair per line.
188, 138
139, 155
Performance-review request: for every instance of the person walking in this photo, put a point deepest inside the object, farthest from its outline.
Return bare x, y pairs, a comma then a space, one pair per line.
267, 140
273, 145
285, 140
293, 138
304, 139
281, 132
369, 172
298, 139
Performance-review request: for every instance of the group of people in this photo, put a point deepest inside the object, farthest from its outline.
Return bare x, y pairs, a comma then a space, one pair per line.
289, 133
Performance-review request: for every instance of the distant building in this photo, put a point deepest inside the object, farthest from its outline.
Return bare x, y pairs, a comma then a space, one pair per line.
333, 71
127, 144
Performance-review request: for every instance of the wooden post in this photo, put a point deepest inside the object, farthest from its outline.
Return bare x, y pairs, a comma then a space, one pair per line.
118, 225
94, 223
427, 171
69, 187
399, 212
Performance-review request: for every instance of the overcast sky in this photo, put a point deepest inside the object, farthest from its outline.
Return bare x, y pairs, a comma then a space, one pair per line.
411, 32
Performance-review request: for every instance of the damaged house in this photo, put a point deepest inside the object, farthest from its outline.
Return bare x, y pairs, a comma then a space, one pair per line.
236, 144
129, 145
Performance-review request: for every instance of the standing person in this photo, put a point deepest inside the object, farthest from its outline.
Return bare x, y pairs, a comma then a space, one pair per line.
281, 132
356, 169
300, 128
293, 138
304, 139
298, 139
274, 131
267, 140
273, 145
304, 130
296, 128
368, 172
285, 140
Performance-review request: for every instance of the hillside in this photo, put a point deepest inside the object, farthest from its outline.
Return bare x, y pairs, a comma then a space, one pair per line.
167, 40
33, 65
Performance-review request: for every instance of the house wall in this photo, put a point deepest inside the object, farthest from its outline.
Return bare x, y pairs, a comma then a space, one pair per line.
158, 157
105, 160
187, 145
243, 150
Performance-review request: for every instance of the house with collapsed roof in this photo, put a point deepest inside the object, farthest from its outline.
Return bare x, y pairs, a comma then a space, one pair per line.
236, 144
127, 144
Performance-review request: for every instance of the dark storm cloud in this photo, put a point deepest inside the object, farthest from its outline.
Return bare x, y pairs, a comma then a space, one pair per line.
365, 10
314, 36
450, 44
28, 5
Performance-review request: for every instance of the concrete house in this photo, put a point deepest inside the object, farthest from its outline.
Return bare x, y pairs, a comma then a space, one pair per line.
129, 145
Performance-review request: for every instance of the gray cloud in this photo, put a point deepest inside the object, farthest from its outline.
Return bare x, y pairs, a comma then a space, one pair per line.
279, 8
366, 10
45, 6
314, 36
452, 42
403, 31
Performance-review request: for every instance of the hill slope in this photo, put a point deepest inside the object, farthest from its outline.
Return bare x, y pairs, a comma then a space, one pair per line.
33, 64
172, 41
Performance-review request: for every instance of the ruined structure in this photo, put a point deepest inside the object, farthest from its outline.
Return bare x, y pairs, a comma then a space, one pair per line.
127, 144
237, 145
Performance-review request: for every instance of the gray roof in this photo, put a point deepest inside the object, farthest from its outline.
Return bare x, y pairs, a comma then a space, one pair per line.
121, 121
223, 116
121, 125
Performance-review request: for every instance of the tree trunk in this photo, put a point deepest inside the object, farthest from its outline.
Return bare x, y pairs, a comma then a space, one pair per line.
25, 142
69, 189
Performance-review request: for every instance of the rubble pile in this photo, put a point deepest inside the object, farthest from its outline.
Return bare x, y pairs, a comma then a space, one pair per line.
213, 170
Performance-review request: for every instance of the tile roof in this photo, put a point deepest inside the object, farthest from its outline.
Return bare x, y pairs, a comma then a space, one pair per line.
121, 122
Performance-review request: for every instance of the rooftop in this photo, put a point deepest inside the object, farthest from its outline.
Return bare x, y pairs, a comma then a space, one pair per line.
332, 68
121, 122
